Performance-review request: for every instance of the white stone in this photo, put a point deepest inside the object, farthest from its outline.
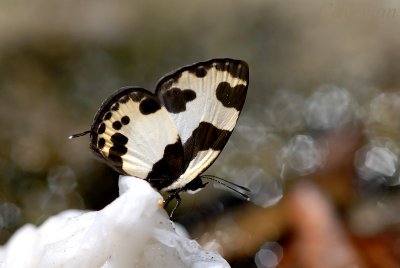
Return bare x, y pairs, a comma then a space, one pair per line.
133, 231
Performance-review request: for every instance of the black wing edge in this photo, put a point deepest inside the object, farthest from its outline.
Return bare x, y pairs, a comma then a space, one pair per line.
177, 73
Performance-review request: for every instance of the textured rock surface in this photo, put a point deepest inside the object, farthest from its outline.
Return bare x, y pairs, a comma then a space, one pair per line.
133, 231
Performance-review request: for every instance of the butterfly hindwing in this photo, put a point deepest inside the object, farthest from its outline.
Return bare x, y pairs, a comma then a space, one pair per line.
204, 101
133, 132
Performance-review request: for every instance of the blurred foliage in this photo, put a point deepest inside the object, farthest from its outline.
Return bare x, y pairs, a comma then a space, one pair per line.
323, 105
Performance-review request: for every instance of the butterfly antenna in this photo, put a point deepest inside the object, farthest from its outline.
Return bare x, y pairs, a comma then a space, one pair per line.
228, 184
79, 134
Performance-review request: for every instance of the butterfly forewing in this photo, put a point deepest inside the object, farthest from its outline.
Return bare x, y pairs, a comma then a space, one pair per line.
135, 135
204, 101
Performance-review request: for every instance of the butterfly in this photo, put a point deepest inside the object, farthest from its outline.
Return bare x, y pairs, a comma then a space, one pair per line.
170, 137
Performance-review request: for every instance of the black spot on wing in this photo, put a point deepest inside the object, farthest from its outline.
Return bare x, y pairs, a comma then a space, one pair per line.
175, 99
149, 106
231, 96
102, 128
200, 71
169, 82
235, 68
118, 149
115, 106
220, 66
107, 116
101, 143
137, 96
168, 168
116, 125
124, 99
125, 120
205, 136
119, 138
115, 153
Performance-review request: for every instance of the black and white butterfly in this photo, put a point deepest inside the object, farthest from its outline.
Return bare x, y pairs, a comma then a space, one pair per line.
171, 137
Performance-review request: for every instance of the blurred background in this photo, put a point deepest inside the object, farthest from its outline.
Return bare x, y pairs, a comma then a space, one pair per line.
318, 141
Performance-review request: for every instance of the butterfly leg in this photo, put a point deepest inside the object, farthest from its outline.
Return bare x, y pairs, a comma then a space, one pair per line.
178, 201
175, 196
169, 199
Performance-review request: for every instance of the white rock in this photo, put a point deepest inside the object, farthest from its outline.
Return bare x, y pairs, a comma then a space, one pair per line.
132, 231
